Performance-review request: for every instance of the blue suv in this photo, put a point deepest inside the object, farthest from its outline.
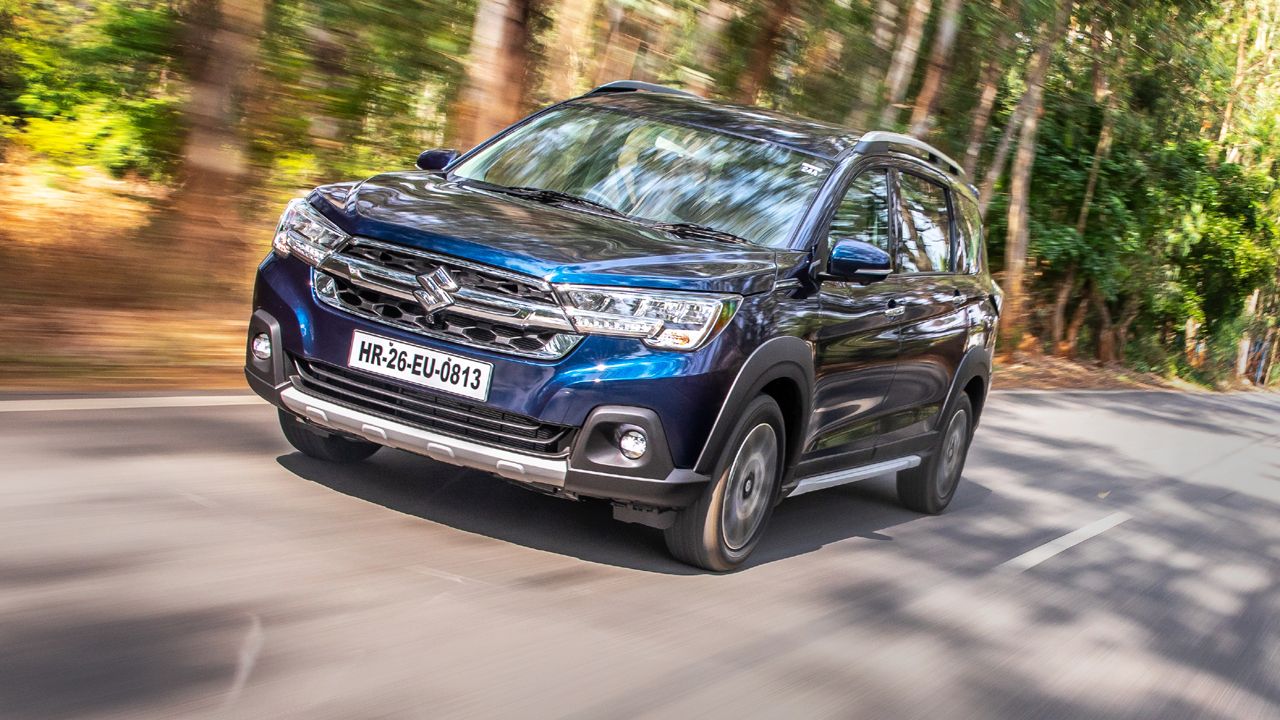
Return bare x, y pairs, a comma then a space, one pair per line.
686, 308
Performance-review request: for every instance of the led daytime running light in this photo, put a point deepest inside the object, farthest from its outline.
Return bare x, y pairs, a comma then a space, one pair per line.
666, 320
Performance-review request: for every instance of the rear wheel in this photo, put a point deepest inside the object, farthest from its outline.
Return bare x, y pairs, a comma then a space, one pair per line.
332, 448
929, 487
721, 529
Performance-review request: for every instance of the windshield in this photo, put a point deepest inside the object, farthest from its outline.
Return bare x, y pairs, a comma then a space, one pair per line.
656, 171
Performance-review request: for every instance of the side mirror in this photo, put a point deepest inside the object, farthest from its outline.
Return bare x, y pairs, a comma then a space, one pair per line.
857, 261
436, 160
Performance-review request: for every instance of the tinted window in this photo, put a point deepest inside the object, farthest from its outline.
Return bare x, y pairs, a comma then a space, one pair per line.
970, 247
925, 244
658, 171
863, 214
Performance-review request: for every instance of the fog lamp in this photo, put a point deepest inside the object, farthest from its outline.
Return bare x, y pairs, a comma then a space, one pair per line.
261, 346
633, 444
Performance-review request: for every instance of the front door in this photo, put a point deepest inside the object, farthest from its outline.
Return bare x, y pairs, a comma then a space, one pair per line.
856, 343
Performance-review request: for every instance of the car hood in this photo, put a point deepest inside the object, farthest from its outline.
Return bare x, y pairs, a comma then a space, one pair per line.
556, 244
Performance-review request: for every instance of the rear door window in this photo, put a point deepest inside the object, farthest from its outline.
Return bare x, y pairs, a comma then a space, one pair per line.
969, 246
924, 244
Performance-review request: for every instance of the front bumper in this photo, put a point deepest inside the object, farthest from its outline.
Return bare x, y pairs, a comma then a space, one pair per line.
590, 466
585, 471
685, 390
445, 448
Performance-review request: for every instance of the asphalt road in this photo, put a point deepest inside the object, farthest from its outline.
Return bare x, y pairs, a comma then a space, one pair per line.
1108, 555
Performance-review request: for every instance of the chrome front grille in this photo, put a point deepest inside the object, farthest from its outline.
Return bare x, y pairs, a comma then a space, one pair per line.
412, 263
446, 298
428, 410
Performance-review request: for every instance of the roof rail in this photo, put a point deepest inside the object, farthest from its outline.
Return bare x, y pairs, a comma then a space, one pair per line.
636, 85
933, 154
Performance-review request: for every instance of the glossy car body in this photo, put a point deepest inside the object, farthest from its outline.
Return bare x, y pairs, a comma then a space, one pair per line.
862, 371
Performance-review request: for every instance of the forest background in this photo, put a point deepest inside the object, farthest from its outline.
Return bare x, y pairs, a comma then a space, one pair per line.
1125, 153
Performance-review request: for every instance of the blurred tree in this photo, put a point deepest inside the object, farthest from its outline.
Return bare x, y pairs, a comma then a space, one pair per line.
1139, 209
904, 61
939, 58
569, 47
765, 47
874, 63
497, 83
1012, 319
993, 66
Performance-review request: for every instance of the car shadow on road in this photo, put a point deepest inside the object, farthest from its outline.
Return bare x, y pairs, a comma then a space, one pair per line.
482, 504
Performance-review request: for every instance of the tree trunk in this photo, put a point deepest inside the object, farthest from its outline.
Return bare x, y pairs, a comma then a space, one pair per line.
1099, 151
886, 16
1246, 342
570, 45
1132, 304
1058, 321
990, 84
494, 91
1039, 68
1020, 189
707, 47
213, 164
904, 61
1099, 67
1067, 348
1190, 345
1106, 329
760, 62
939, 61
1269, 359
1237, 79
616, 59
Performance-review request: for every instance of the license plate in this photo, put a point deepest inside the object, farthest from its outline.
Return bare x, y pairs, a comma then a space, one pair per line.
420, 366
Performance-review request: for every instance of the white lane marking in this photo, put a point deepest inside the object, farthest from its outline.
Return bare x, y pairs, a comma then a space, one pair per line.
250, 647
1037, 555
441, 574
1109, 391
199, 499
126, 403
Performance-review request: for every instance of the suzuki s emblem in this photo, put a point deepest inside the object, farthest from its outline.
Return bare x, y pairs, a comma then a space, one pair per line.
437, 290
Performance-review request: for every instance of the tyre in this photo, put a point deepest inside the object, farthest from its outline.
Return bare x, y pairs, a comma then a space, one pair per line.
721, 529
929, 487
332, 448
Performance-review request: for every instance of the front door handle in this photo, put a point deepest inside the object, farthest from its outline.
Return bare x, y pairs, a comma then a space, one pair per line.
894, 310
958, 299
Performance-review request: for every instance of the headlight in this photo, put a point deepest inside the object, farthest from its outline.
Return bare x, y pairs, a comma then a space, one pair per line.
671, 320
306, 233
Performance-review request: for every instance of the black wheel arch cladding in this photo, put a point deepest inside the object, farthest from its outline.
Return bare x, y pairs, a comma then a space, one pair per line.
777, 364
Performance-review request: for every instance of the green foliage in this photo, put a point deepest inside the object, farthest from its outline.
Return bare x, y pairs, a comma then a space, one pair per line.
90, 82
1180, 225
354, 86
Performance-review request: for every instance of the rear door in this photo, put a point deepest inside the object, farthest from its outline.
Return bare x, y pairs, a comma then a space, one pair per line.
856, 343
933, 298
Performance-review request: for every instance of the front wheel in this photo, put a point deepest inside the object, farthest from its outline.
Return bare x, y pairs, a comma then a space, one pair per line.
331, 448
721, 529
929, 487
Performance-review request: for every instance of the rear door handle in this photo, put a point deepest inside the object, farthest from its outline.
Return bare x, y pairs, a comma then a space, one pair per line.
958, 299
894, 310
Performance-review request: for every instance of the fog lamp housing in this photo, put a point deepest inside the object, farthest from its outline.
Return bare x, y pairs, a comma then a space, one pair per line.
260, 346
633, 443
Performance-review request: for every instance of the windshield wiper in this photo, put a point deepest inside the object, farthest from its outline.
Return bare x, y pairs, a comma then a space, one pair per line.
695, 230
544, 195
